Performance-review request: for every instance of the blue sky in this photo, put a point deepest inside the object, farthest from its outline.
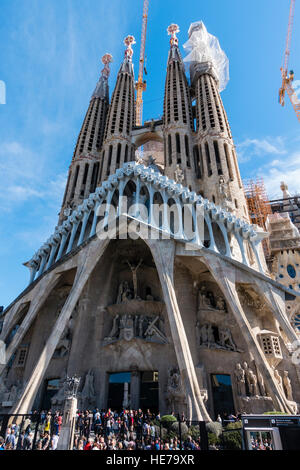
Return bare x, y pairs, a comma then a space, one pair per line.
50, 58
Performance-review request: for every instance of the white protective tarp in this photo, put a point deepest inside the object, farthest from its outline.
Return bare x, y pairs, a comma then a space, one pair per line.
204, 47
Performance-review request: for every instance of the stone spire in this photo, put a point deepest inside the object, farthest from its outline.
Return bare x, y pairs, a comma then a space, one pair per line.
117, 147
85, 166
215, 159
178, 121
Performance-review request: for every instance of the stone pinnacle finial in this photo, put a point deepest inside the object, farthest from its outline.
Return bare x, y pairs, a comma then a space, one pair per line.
129, 41
106, 60
173, 29
283, 186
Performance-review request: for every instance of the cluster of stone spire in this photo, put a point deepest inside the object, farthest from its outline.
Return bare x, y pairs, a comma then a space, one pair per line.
196, 134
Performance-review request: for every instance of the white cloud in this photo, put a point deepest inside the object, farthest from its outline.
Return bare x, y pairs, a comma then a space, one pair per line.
251, 148
25, 175
287, 170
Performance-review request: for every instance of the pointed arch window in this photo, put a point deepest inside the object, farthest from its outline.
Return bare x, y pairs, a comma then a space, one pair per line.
218, 159
208, 160
187, 151
170, 149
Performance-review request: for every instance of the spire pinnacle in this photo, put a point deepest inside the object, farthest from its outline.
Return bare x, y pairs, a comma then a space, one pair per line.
106, 60
173, 29
129, 41
101, 90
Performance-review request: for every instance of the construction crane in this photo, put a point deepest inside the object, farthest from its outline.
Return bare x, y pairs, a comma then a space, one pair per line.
288, 77
140, 85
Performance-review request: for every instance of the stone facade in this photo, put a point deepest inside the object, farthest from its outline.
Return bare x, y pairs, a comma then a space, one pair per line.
180, 320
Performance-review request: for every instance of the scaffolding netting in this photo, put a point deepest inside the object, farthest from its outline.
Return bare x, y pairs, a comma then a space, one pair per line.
204, 47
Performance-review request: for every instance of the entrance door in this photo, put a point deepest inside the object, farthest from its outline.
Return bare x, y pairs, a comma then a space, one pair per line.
119, 390
222, 395
51, 389
149, 392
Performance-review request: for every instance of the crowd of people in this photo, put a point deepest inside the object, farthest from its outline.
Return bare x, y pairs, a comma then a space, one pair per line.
21, 436
128, 430
96, 430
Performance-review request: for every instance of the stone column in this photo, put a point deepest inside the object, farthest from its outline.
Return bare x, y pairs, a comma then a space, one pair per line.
135, 390
39, 295
86, 264
163, 255
277, 305
66, 436
225, 278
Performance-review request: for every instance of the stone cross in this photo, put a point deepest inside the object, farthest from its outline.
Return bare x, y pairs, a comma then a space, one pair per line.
134, 276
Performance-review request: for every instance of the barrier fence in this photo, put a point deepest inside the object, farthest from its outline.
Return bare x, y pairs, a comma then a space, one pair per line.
29, 434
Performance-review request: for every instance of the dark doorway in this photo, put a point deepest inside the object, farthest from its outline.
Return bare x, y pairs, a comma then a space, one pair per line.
290, 437
51, 389
119, 390
149, 396
222, 395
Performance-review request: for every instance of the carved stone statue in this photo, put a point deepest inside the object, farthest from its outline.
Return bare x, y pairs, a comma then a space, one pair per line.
226, 339
115, 328
278, 378
287, 386
261, 384
203, 334
251, 380
175, 392
210, 336
124, 292
240, 380
88, 392
3, 389
204, 302
134, 270
179, 175
253, 384
64, 344
58, 399
127, 326
221, 304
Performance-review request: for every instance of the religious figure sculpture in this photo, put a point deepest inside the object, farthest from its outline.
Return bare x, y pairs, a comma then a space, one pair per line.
253, 383
3, 389
204, 302
179, 175
58, 399
212, 336
221, 304
224, 194
240, 380
261, 383
287, 386
64, 344
127, 326
124, 292
175, 392
87, 394
278, 378
134, 270
115, 328
226, 339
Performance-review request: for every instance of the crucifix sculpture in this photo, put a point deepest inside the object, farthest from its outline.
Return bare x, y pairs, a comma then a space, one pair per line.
134, 276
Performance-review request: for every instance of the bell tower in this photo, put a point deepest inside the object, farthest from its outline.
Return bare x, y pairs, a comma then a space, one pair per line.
118, 148
214, 154
85, 165
177, 121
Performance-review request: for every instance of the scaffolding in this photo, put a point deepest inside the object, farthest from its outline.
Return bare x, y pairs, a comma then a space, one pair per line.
258, 206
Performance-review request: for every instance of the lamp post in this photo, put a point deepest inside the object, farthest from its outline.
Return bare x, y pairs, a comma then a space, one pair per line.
66, 437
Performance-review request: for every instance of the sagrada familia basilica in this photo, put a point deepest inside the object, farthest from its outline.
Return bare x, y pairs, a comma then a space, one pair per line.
153, 287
